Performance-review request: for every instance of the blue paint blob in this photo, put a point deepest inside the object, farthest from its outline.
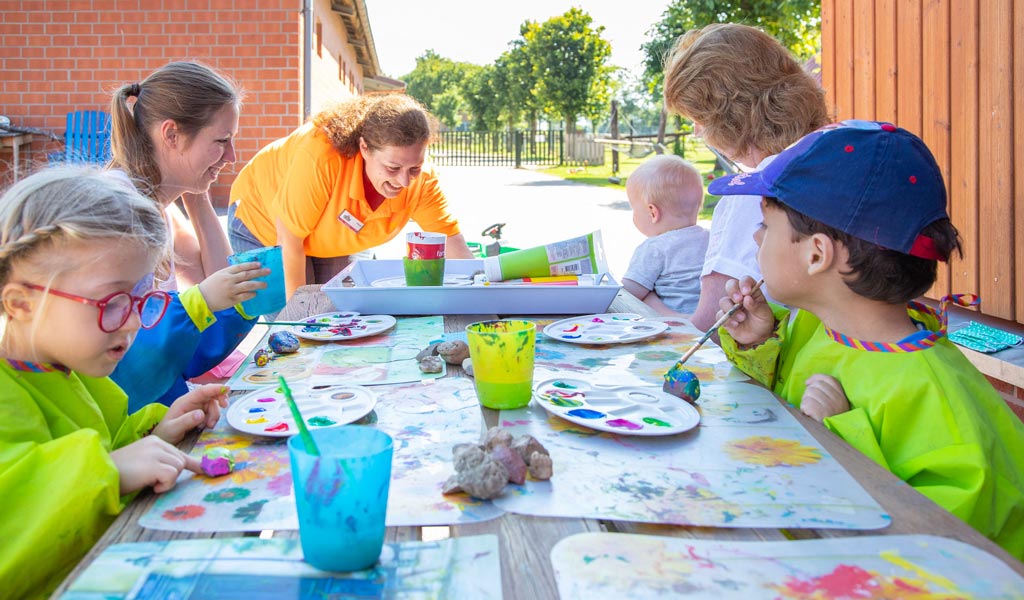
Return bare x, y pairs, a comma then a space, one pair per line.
585, 413
564, 385
257, 410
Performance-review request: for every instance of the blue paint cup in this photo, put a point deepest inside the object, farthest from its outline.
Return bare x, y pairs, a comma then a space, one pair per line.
272, 298
342, 496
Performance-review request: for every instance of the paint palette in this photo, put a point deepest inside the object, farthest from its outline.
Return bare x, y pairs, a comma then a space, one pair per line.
343, 326
607, 328
265, 412
625, 410
449, 280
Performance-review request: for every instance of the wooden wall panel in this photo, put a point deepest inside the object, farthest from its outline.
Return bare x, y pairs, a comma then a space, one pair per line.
995, 147
1017, 85
885, 61
864, 59
963, 179
908, 52
844, 60
935, 60
828, 54
951, 71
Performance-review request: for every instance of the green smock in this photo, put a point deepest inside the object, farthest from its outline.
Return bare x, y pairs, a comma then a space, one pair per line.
60, 489
927, 415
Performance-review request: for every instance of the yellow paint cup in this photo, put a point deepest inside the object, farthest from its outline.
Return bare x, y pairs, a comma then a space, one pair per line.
502, 353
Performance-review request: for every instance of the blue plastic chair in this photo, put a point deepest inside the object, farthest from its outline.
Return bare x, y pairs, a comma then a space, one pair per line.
87, 138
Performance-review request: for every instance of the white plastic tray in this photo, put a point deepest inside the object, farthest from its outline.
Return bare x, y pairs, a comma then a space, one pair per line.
461, 299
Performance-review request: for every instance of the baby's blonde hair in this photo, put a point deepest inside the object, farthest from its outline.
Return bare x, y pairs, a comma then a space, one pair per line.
670, 183
62, 204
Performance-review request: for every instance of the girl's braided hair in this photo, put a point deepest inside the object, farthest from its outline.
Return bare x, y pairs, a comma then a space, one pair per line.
74, 203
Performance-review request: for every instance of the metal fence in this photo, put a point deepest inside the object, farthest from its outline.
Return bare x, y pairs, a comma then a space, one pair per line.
539, 147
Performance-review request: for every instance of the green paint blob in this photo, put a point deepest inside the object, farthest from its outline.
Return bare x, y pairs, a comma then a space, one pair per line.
564, 385
320, 421
656, 422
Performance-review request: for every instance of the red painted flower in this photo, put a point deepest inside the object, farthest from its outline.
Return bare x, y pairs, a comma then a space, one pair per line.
184, 512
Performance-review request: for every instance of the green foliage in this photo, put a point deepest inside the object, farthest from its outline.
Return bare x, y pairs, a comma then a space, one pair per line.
795, 23
437, 83
568, 58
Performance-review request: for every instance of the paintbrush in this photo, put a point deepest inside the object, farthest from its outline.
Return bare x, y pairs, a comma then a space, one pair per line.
303, 324
307, 437
682, 383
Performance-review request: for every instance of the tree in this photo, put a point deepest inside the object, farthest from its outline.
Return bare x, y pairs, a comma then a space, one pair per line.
567, 57
483, 96
516, 82
437, 83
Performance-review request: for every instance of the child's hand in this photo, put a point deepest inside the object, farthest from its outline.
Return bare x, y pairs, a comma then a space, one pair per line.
754, 322
197, 408
232, 285
824, 397
151, 462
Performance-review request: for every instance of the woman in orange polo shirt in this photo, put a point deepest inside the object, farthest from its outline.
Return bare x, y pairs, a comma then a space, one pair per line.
346, 181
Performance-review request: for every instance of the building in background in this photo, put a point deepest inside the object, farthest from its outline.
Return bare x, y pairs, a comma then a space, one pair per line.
288, 56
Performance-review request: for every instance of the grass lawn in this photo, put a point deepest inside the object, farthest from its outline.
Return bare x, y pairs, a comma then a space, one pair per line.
694, 150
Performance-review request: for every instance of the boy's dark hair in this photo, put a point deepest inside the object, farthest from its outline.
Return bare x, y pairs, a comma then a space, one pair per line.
875, 272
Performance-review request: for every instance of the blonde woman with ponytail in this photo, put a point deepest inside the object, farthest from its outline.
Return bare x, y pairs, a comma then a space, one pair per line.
172, 133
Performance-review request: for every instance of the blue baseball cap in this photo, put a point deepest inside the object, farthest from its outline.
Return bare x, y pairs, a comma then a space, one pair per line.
874, 181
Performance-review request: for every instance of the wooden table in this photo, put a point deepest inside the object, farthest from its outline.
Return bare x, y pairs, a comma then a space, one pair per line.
526, 541
18, 143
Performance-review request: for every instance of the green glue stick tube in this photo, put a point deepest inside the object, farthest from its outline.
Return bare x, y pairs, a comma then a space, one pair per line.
577, 256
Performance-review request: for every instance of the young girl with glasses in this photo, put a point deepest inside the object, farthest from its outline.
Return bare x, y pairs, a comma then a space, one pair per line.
77, 250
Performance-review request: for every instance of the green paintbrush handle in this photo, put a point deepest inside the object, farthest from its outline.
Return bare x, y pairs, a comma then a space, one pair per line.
307, 437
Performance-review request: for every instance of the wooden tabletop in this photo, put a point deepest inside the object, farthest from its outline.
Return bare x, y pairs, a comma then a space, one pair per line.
525, 541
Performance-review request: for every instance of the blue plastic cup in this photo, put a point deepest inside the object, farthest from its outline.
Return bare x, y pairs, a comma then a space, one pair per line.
272, 298
342, 496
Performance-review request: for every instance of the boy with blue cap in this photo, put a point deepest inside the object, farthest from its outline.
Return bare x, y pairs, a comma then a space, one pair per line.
854, 225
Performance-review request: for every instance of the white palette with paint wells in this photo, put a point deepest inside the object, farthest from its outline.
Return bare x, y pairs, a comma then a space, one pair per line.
341, 326
605, 328
266, 412
625, 410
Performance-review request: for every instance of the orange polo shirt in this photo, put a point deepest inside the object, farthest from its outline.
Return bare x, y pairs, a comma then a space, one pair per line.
303, 180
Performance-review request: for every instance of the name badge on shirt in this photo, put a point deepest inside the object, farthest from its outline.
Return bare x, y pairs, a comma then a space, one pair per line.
353, 223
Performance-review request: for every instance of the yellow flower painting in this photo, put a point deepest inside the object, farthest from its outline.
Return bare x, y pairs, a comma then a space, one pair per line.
772, 452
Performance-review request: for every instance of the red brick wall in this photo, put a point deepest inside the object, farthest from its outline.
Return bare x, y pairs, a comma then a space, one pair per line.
59, 56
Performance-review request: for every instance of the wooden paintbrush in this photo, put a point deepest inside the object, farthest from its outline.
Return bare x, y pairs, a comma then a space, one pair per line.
683, 384
296, 323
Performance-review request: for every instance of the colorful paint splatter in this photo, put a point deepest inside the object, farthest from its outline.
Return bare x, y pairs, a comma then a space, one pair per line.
737, 469
609, 565
424, 421
465, 567
636, 362
382, 359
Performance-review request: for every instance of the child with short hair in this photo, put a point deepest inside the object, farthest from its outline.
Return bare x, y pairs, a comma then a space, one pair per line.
854, 224
666, 194
74, 246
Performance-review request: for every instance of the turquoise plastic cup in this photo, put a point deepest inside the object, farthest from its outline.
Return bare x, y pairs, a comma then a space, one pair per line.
272, 298
342, 496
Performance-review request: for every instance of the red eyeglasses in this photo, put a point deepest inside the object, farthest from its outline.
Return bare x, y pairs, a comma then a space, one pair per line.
117, 307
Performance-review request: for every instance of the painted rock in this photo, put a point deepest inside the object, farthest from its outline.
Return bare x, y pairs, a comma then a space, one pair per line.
283, 342
217, 462
261, 358
682, 383
432, 364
